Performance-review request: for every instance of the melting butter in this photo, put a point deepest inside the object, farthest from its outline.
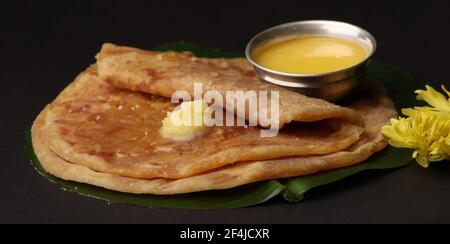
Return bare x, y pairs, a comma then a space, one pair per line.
310, 54
185, 122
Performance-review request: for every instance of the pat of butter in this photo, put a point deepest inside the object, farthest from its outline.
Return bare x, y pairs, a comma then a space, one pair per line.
186, 121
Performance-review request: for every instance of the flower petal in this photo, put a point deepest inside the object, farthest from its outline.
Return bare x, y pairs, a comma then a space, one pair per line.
434, 98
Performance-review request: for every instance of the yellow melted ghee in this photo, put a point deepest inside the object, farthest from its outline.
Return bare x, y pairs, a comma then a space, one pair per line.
310, 54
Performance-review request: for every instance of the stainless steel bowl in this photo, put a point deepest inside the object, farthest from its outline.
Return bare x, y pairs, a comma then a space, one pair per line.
330, 86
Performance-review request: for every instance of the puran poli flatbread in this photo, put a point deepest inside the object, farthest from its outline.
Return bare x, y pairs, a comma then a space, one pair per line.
115, 131
374, 106
163, 73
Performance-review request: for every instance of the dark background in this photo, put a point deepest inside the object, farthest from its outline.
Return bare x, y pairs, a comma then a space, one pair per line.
44, 45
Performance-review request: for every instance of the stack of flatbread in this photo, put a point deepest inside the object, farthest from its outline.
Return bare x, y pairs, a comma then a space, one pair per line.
103, 129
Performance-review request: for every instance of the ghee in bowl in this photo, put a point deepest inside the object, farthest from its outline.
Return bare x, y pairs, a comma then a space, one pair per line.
310, 54
318, 58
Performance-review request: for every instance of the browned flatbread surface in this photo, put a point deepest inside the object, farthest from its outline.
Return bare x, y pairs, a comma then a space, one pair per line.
375, 108
116, 131
163, 73
103, 129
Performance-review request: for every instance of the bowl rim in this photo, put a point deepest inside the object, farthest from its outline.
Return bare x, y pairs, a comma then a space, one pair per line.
300, 75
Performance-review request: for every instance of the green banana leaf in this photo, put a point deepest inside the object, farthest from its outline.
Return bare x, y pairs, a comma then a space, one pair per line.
399, 85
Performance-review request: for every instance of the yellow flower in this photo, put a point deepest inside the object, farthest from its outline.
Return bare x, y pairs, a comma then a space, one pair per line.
440, 105
428, 110
426, 129
425, 133
434, 98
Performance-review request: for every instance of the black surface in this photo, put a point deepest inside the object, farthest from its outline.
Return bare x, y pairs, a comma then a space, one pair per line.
44, 45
